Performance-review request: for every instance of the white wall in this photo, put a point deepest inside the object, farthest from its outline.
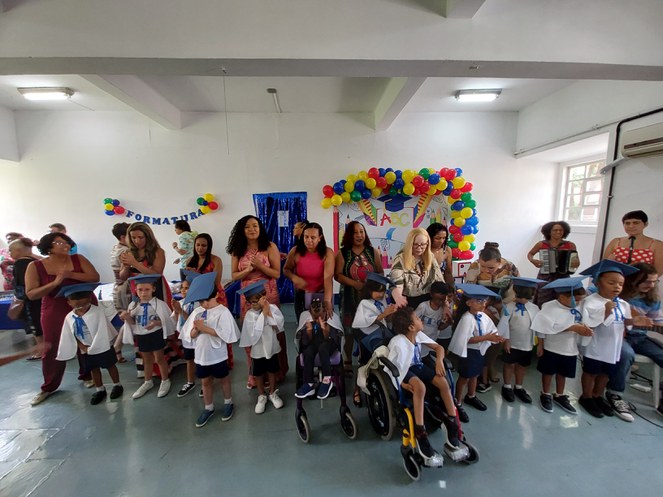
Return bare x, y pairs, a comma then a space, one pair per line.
71, 161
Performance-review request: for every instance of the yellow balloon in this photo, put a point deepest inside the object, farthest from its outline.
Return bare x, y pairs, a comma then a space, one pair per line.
466, 213
362, 175
460, 221
349, 186
346, 198
205, 209
455, 214
432, 189
370, 183
325, 203
431, 171
463, 246
470, 238
390, 177
336, 199
442, 185
351, 178
459, 183
408, 188
376, 192
209, 197
451, 200
109, 207
408, 175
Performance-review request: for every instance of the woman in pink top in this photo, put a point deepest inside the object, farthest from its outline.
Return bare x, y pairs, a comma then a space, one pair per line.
636, 246
310, 266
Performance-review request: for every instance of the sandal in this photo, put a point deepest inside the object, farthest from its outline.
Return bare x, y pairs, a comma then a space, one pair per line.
356, 398
120, 358
33, 358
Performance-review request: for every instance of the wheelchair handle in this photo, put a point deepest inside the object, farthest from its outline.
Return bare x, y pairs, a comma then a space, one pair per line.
390, 365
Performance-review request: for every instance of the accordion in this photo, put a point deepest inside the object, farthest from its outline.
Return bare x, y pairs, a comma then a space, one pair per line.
555, 261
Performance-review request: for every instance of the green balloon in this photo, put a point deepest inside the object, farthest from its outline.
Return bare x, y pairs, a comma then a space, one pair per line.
355, 196
452, 243
471, 203
108, 200
424, 173
200, 201
466, 197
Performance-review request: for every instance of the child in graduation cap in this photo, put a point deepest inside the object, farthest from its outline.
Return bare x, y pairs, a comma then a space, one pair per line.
558, 326
608, 316
180, 314
515, 326
148, 321
87, 329
262, 324
212, 328
473, 334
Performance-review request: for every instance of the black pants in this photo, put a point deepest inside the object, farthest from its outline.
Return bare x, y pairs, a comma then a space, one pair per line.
324, 349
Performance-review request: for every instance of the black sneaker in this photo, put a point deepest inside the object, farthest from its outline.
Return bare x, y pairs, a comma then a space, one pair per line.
590, 406
522, 395
483, 387
452, 432
564, 402
98, 397
619, 406
475, 402
546, 401
186, 388
507, 394
462, 414
116, 392
604, 405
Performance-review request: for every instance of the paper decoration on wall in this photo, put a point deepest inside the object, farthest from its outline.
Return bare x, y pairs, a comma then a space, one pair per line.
396, 187
207, 203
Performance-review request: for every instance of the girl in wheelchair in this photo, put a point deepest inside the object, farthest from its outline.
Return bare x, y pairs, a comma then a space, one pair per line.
415, 377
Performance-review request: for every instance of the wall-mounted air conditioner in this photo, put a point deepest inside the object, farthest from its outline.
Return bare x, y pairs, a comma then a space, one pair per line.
641, 142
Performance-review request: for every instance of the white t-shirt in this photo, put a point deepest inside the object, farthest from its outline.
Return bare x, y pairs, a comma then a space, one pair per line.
550, 324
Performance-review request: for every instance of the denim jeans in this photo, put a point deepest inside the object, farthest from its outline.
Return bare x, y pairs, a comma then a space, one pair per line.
633, 344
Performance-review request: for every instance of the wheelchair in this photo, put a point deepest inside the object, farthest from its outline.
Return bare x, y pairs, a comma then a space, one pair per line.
389, 408
348, 423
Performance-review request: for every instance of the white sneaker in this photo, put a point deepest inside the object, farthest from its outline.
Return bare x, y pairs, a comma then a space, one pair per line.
164, 388
40, 397
261, 404
143, 389
276, 400
620, 407
88, 383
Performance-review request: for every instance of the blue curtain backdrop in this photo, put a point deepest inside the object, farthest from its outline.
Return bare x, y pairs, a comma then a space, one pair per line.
279, 212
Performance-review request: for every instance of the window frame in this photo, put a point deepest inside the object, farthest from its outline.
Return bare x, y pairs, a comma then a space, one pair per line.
565, 168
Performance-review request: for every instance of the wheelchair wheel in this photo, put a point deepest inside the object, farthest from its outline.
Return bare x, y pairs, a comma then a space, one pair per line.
411, 466
348, 424
380, 406
474, 454
303, 428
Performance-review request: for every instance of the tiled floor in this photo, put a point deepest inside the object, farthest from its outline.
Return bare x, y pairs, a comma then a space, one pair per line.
150, 446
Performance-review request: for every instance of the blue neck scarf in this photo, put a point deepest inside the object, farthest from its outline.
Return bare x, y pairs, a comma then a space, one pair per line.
619, 315
379, 305
520, 307
146, 314
416, 358
577, 317
79, 327
478, 318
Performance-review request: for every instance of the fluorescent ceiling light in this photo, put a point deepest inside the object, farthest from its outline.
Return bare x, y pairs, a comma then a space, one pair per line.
477, 95
46, 93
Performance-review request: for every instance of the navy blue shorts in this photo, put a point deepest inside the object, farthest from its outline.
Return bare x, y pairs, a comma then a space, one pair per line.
263, 365
594, 366
424, 372
189, 354
104, 360
472, 365
552, 363
516, 356
218, 370
151, 342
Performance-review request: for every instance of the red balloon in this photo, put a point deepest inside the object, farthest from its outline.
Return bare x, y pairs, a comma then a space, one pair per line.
417, 181
425, 186
119, 209
455, 253
450, 174
213, 205
455, 193
467, 187
453, 229
458, 237
381, 182
443, 172
466, 255
438, 192
328, 191
373, 173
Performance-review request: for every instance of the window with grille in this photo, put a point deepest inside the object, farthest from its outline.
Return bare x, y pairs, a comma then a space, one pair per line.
583, 185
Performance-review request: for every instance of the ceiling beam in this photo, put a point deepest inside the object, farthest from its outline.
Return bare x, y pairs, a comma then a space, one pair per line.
397, 94
8, 139
461, 9
134, 92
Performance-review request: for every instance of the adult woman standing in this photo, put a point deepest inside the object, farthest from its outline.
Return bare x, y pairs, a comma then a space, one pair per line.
204, 261
636, 246
254, 257
414, 269
21, 252
43, 280
494, 271
184, 244
310, 267
354, 261
439, 234
554, 237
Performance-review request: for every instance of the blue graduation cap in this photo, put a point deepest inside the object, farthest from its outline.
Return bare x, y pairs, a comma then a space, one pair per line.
253, 289
565, 284
526, 282
473, 291
201, 288
378, 278
67, 290
608, 266
190, 275
145, 278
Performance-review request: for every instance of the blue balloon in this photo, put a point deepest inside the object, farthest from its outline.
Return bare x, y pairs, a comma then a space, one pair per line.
467, 230
338, 188
116, 202
448, 190
360, 185
399, 183
458, 205
459, 172
382, 171
205, 202
366, 194
434, 179
398, 173
109, 213
472, 221
343, 182
388, 170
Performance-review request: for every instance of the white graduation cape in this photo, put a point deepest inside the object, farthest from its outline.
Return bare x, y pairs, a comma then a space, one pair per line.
212, 349
101, 331
466, 329
161, 310
508, 313
334, 322
606, 343
366, 316
401, 352
257, 326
